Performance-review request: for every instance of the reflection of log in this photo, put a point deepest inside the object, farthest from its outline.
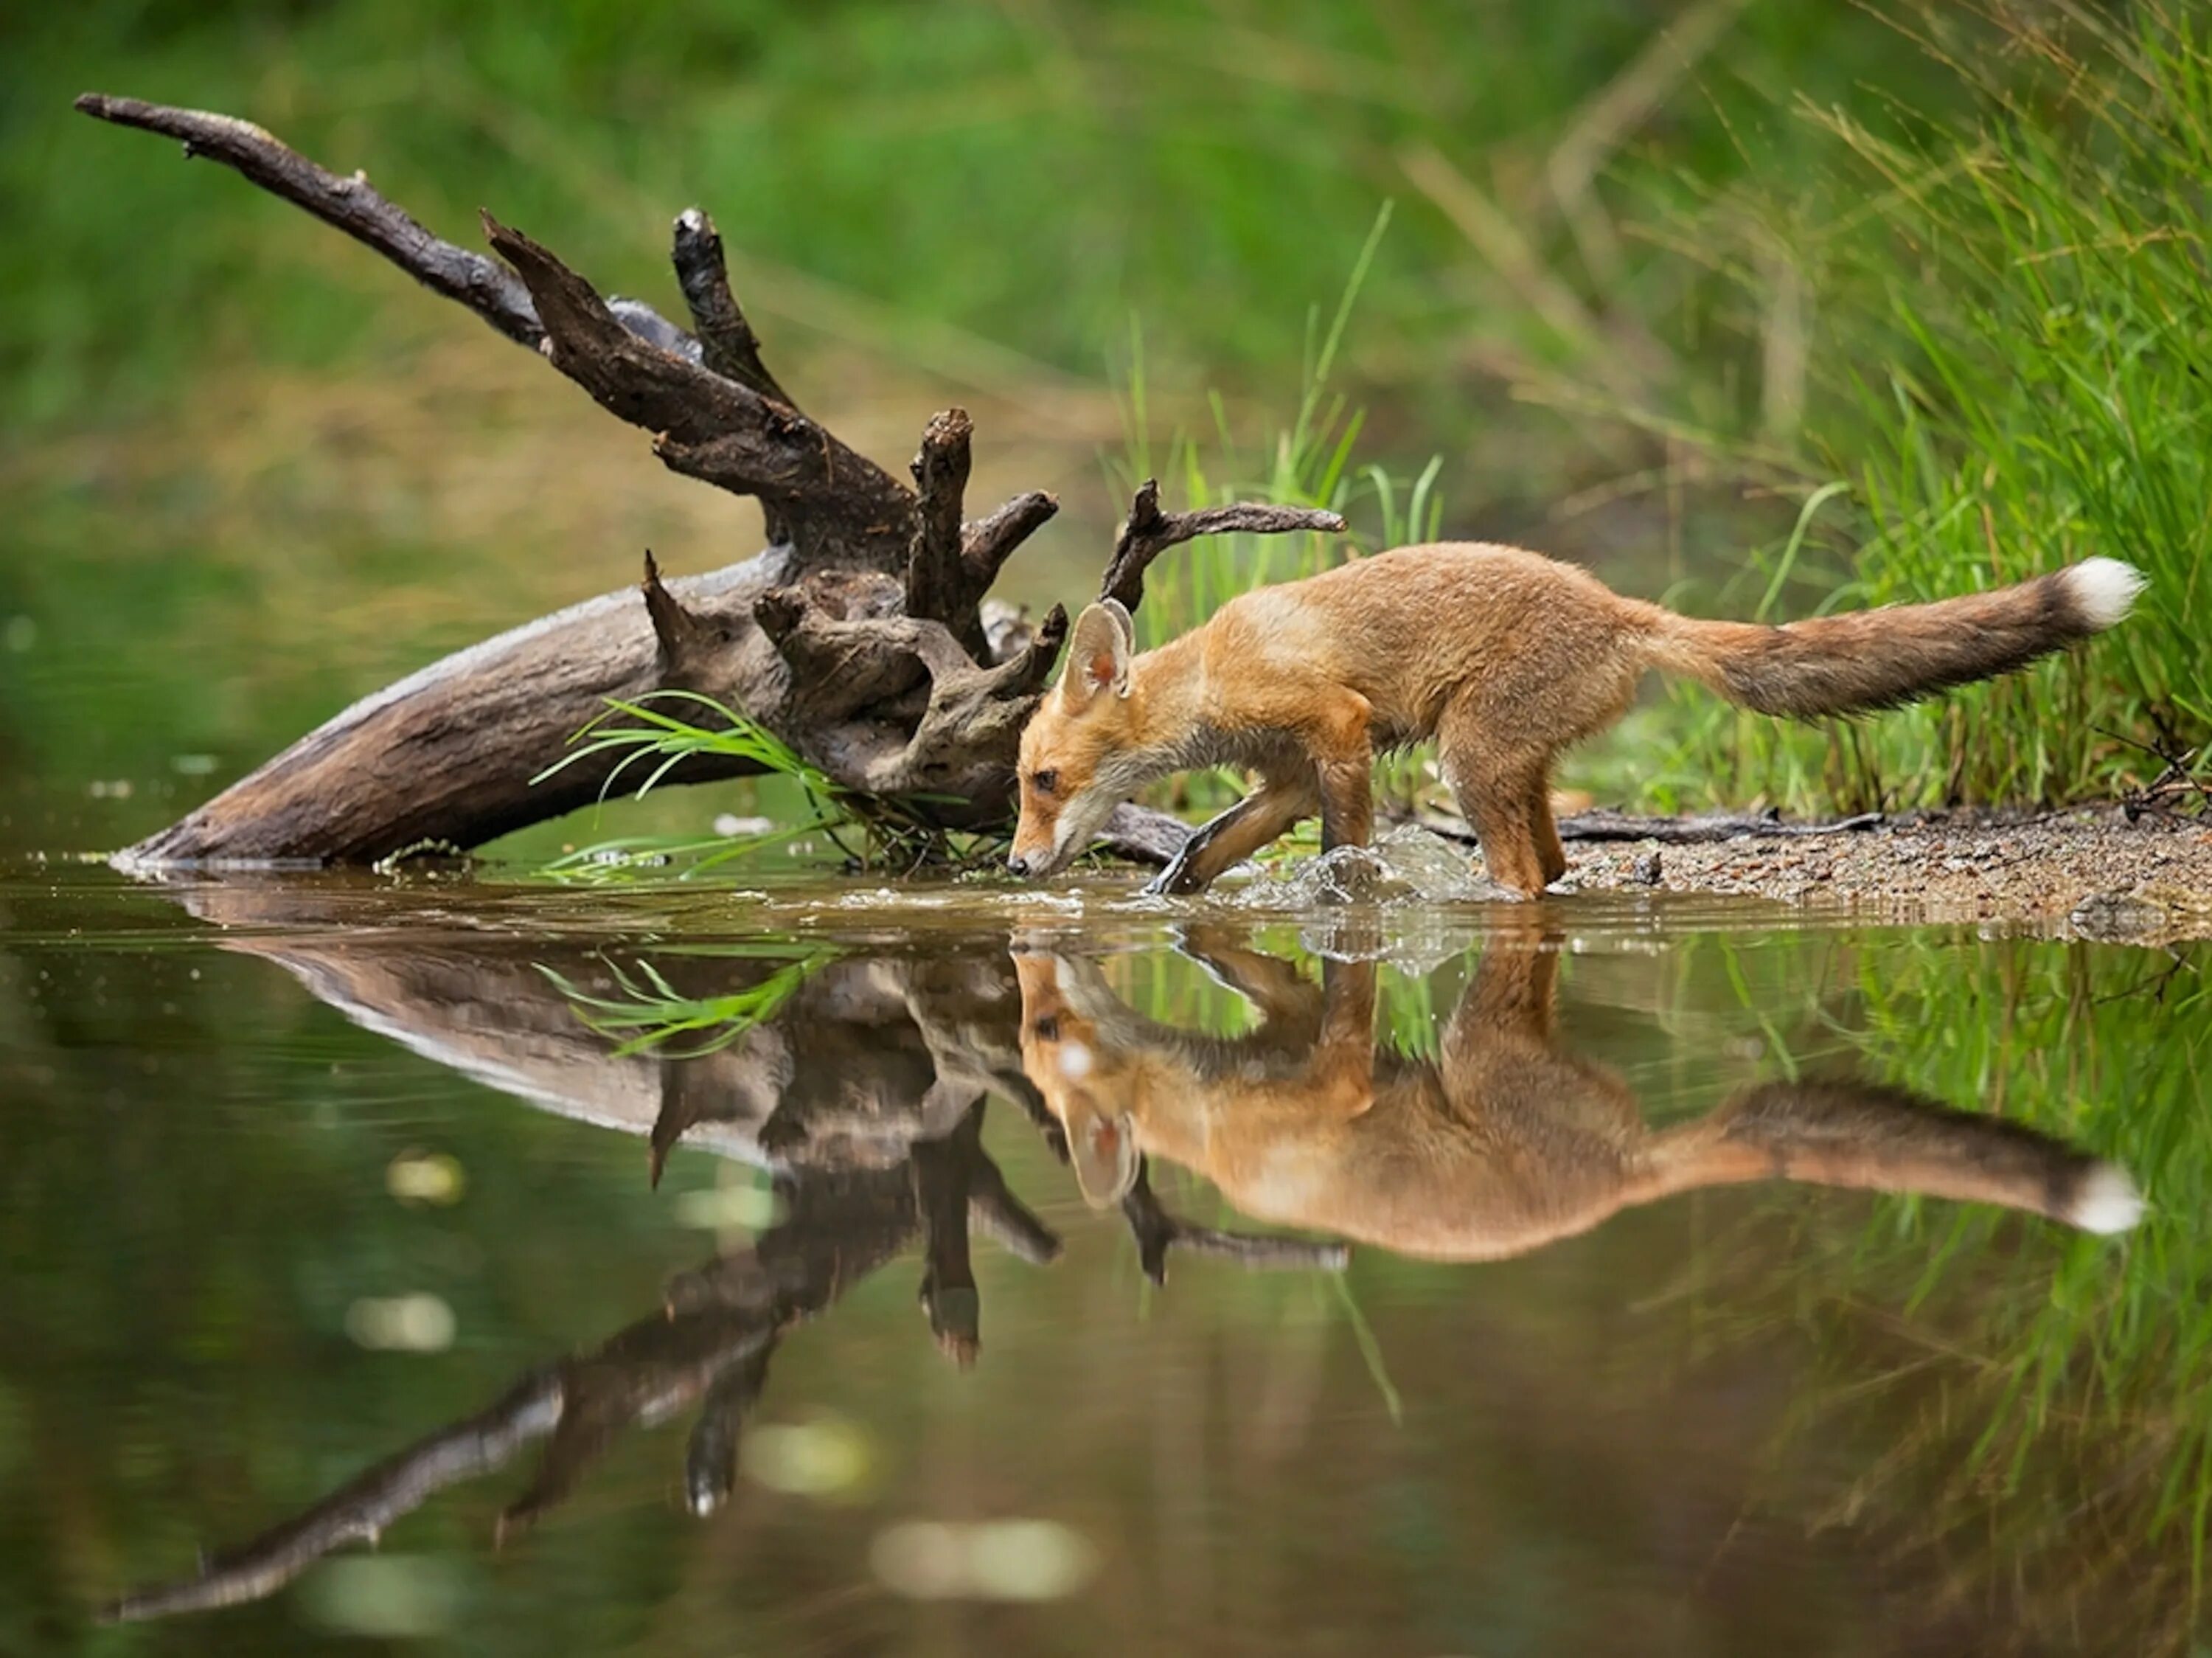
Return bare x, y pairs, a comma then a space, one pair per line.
863, 1091
844, 1074
360, 1511
860, 638
710, 1345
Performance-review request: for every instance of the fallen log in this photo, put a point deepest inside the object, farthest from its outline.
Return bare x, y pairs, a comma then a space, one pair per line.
863, 638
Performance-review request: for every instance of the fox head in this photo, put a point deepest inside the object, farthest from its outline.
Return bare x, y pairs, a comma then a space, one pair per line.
1073, 1060
1078, 753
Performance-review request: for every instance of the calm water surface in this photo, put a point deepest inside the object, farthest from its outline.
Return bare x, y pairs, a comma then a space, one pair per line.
822, 1268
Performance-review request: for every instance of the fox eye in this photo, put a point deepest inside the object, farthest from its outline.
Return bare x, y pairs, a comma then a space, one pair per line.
1046, 1029
1044, 782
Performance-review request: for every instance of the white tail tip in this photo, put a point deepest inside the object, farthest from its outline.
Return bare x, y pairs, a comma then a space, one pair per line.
2107, 1202
2104, 590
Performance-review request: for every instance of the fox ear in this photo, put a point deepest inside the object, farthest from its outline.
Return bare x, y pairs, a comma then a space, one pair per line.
1104, 1153
1122, 619
1098, 654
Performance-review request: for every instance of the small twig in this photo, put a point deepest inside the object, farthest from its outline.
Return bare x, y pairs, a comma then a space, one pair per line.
1000, 1216
679, 636
710, 1459
1024, 672
1147, 533
360, 1511
2180, 763
944, 1174
987, 542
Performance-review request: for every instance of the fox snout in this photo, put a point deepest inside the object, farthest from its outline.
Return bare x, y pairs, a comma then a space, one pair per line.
1040, 862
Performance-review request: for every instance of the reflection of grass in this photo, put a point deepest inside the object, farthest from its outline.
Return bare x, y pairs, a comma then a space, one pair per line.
650, 1011
1371, 1350
2052, 1386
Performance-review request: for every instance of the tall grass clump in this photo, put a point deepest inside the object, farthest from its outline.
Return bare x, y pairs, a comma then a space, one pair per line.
2016, 358
1312, 461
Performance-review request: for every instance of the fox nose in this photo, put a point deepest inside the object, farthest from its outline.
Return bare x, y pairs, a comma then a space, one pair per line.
1017, 863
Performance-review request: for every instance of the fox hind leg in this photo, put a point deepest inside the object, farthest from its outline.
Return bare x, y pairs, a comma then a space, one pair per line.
1551, 854
1505, 790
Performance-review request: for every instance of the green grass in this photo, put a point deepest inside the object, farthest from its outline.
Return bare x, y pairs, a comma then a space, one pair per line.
2015, 370
866, 831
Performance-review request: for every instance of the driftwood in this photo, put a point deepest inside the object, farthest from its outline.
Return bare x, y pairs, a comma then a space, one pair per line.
862, 636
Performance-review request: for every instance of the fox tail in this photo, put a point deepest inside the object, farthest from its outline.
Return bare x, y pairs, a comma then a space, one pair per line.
1843, 1133
1882, 658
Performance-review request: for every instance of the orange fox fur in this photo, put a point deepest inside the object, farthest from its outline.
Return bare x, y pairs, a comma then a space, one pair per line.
1503, 656
1500, 1144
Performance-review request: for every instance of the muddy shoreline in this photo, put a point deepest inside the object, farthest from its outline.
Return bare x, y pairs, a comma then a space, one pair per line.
2092, 872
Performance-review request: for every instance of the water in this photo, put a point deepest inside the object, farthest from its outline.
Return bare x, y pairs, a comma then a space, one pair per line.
330, 1210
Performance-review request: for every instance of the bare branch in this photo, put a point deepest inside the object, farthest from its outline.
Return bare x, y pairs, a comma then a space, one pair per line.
729, 345
969, 706
837, 502
350, 204
995, 1212
1024, 672
680, 639
942, 1172
1147, 533
710, 1460
987, 543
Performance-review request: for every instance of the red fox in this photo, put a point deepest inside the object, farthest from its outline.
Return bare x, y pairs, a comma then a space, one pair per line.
1499, 1145
1505, 656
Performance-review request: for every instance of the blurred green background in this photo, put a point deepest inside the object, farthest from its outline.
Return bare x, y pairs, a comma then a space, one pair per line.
1656, 275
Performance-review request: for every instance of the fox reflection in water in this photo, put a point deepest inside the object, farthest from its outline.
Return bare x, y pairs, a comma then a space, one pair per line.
1500, 1144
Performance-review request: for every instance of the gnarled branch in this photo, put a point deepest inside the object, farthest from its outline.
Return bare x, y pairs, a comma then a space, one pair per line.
936, 575
1148, 532
842, 507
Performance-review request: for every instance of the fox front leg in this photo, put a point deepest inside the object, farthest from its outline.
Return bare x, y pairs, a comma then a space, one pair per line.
1227, 839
